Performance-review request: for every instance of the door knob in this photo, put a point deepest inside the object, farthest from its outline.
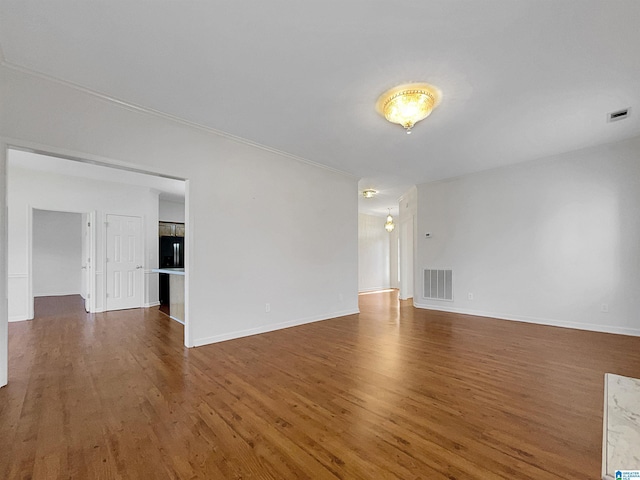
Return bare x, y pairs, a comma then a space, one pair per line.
138, 266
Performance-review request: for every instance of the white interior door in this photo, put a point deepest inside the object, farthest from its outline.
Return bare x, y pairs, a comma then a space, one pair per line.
124, 262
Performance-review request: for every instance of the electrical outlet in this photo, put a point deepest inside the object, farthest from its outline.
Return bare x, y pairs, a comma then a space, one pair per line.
604, 307
470, 296
267, 307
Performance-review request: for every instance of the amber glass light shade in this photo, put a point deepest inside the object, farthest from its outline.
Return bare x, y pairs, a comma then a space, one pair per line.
408, 104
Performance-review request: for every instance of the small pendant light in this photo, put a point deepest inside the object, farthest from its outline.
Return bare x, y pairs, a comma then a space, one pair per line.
389, 226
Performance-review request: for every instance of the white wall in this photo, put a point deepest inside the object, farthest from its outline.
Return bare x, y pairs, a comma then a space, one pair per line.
57, 253
373, 253
292, 245
171, 211
28, 189
549, 241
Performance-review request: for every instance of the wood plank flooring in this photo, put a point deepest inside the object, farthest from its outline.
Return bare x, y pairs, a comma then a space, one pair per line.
391, 393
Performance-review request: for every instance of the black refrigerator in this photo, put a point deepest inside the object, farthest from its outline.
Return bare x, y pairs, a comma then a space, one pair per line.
171, 256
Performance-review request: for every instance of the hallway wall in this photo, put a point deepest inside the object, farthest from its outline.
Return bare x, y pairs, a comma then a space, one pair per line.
373, 253
57, 253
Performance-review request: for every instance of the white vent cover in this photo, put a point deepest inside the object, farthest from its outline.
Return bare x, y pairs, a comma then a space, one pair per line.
619, 115
438, 284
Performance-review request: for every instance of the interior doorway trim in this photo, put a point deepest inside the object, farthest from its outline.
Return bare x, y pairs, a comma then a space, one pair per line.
7, 143
407, 255
99, 163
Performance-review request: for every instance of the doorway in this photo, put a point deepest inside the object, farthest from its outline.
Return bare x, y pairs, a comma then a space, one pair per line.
61, 255
42, 181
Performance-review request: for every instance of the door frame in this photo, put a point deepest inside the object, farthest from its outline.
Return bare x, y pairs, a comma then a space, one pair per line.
91, 267
407, 255
92, 254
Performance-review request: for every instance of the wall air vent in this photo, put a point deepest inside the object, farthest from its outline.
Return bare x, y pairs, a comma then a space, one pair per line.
619, 115
438, 284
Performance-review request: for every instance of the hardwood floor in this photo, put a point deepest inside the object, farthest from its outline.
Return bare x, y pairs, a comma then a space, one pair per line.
391, 393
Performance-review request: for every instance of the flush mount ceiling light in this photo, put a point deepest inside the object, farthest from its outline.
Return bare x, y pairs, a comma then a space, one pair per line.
369, 193
408, 104
389, 225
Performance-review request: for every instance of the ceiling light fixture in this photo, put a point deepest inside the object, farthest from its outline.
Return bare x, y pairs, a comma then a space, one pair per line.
389, 226
408, 104
369, 193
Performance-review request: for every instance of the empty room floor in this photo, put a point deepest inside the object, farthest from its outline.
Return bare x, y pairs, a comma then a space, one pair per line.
391, 393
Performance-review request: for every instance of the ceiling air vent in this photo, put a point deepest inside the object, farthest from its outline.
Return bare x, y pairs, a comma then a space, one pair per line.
619, 115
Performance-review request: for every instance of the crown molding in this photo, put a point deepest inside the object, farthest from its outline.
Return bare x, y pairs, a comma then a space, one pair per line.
166, 116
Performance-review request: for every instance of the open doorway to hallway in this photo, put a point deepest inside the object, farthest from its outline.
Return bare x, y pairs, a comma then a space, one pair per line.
376, 248
61, 255
386, 255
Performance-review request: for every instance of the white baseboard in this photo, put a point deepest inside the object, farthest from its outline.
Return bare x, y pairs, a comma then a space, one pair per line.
374, 289
541, 321
198, 342
152, 304
176, 319
18, 318
56, 294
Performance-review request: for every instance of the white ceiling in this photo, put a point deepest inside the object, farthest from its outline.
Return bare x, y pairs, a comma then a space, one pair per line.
168, 188
520, 79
